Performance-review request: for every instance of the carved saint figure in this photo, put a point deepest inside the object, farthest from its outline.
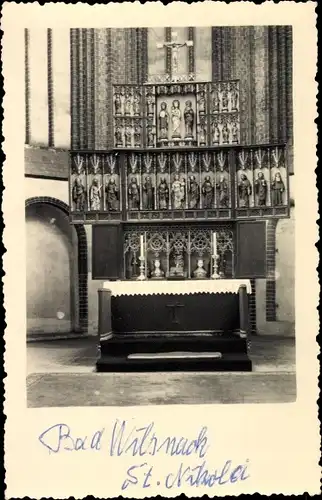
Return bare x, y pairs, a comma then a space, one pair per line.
163, 192
200, 272
178, 191
150, 137
202, 134
134, 194
189, 117
111, 191
128, 136
150, 105
117, 104
137, 136
95, 195
148, 190
278, 189
176, 119
208, 192
118, 137
79, 194
225, 134
215, 133
224, 100
234, 133
215, 101
222, 187
128, 104
163, 121
234, 99
157, 271
202, 103
136, 104
244, 191
193, 192
261, 189
177, 269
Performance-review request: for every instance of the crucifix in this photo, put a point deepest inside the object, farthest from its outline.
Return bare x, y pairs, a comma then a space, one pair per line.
174, 45
174, 312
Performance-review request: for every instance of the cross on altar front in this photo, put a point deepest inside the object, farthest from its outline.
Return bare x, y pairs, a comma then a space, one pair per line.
174, 312
174, 45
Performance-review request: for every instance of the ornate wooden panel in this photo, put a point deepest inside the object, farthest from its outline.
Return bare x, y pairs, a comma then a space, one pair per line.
176, 115
179, 251
261, 182
193, 184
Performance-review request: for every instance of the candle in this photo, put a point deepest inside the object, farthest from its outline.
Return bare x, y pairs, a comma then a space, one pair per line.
214, 243
142, 246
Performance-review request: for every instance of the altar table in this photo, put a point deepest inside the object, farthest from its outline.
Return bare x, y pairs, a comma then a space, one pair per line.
174, 325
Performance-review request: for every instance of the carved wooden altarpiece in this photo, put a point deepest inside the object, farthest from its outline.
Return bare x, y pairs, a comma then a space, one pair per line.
176, 165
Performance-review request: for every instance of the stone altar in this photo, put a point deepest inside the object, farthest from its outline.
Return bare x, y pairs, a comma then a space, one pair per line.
170, 325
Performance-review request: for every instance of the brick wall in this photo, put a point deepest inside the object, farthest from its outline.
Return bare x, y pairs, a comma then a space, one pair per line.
44, 162
270, 271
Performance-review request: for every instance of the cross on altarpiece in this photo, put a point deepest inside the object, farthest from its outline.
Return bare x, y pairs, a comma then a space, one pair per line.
174, 46
174, 312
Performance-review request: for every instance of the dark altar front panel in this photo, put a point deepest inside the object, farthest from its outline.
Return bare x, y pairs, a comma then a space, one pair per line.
251, 249
107, 251
175, 313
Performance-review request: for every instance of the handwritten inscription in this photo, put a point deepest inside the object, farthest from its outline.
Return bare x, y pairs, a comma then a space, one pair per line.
144, 441
59, 438
200, 475
127, 439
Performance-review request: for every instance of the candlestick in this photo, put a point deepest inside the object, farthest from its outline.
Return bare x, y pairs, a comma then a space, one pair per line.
215, 274
142, 273
142, 246
214, 242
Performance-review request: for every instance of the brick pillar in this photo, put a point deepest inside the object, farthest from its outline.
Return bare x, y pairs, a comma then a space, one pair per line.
216, 53
252, 307
261, 96
142, 55
273, 83
103, 88
270, 270
74, 88
289, 94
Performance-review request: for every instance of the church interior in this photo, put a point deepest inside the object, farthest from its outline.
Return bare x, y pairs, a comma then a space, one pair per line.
159, 157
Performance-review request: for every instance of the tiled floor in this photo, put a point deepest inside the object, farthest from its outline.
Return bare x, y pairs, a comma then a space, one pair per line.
57, 368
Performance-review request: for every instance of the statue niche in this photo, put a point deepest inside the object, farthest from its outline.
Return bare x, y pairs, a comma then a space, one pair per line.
79, 194
244, 191
194, 193
177, 268
189, 118
278, 189
134, 194
178, 193
261, 189
164, 122
176, 119
112, 195
208, 192
163, 194
148, 193
95, 195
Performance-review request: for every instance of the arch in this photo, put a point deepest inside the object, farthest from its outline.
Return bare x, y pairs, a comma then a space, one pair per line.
82, 257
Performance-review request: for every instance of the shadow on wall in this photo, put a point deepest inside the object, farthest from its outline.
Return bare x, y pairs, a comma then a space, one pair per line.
52, 271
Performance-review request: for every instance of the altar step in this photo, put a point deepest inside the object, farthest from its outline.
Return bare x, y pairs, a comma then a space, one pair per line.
169, 352
228, 362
